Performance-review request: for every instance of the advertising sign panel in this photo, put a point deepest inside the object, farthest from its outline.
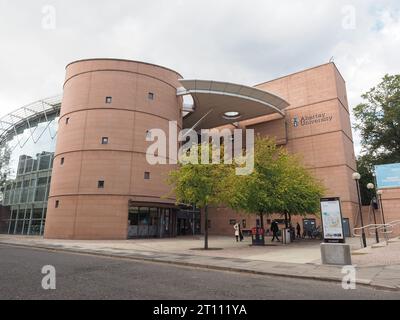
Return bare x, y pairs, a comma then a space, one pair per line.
332, 223
388, 175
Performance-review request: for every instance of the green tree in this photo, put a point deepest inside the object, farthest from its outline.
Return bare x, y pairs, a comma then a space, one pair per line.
201, 185
5, 155
365, 169
378, 120
278, 184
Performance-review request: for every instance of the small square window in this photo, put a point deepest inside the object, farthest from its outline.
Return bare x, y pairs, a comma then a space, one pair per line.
104, 140
108, 99
147, 175
62, 161
57, 203
100, 184
66, 120
151, 96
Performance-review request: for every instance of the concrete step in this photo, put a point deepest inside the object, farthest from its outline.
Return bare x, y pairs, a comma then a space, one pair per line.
361, 251
379, 245
394, 240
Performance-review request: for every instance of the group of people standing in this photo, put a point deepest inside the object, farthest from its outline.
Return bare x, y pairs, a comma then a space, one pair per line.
274, 229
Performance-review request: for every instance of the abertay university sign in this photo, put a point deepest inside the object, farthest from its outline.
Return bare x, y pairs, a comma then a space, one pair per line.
388, 175
307, 120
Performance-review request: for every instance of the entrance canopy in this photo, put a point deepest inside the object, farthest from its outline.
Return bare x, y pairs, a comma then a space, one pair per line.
218, 103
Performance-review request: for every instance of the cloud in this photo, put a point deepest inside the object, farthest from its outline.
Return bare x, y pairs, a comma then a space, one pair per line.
240, 41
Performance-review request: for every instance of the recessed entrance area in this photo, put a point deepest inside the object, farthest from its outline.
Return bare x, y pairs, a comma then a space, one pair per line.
188, 221
151, 222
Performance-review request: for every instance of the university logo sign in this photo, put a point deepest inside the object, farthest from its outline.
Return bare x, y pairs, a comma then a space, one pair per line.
317, 118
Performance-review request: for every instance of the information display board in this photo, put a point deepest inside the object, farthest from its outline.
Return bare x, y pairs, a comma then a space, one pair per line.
388, 175
332, 222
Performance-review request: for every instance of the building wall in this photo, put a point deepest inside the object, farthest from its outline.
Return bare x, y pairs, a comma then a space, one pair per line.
85, 211
325, 145
391, 207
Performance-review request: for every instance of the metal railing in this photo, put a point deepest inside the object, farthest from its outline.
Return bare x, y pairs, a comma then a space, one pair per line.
382, 228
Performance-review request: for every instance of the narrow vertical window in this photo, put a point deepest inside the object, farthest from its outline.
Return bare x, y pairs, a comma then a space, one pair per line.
57, 203
147, 175
100, 184
62, 161
66, 120
151, 96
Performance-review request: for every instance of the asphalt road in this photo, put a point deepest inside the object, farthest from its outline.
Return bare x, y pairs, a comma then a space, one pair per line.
92, 277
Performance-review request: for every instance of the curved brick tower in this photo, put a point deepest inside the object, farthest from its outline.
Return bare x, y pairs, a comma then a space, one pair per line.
100, 169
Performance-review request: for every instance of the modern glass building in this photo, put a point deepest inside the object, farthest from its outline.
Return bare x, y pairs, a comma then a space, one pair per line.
27, 145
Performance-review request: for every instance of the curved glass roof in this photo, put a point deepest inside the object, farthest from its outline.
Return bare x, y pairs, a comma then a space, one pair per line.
28, 116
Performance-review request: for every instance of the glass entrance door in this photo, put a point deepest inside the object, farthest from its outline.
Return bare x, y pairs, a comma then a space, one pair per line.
150, 222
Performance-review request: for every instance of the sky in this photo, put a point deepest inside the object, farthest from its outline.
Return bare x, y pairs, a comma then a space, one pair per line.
238, 41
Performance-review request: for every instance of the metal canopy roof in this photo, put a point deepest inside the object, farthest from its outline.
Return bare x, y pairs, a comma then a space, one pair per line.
27, 116
214, 101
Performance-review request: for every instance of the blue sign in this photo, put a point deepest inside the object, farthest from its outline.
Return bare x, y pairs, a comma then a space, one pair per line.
388, 175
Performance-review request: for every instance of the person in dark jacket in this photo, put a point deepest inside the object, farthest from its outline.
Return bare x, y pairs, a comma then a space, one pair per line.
275, 230
298, 228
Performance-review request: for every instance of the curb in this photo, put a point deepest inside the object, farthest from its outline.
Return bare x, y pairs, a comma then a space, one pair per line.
360, 282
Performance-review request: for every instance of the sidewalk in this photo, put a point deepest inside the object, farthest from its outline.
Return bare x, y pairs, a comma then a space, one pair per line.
300, 259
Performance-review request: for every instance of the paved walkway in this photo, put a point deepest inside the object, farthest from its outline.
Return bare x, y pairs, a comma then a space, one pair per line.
378, 267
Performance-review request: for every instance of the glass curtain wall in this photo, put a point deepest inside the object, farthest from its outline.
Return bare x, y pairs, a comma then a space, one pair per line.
26, 161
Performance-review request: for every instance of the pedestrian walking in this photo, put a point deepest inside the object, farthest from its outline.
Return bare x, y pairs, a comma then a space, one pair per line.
237, 231
298, 228
240, 233
275, 230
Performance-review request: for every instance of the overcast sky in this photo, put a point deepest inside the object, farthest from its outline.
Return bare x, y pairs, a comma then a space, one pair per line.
240, 41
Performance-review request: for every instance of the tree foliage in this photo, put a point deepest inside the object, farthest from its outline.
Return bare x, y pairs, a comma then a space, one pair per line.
279, 184
200, 185
5, 155
378, 120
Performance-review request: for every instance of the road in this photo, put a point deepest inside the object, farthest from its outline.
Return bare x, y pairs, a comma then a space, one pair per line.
93, 277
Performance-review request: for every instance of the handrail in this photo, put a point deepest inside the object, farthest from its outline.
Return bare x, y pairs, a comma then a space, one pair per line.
387, 227
390, 225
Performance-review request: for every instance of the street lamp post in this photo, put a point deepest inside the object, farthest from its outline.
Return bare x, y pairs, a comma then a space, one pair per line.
370, 186
356, 177
379, 192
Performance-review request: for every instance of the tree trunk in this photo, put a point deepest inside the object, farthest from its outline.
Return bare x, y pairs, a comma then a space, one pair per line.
286, 220
262, 226
206, 228
261, 220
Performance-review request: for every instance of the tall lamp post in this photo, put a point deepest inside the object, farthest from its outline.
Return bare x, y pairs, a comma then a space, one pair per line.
356, 177
379, 192
370, 186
